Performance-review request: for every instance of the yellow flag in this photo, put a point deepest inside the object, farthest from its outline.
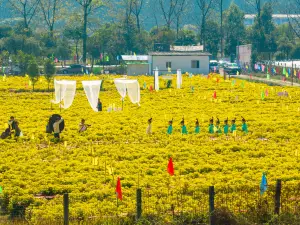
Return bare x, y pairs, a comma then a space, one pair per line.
65, 144
4, 77
110, 170
234, 133
30, 83
32, 136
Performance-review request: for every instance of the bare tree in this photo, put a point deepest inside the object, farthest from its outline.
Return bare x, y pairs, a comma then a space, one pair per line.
205, 6
88, 7
26, 8
50, 10
293, 9
136, 10
179, 11
168, 8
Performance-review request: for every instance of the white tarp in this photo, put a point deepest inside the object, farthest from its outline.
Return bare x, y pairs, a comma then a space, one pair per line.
92, 89
179, 79
156, 80
64, 91
132, 87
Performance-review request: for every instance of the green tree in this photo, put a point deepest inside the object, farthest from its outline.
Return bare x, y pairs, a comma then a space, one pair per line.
33, 72
234, 28
88, 7
22, 60
74, 33
162, 38
213, 38
186, 37
263, 32
49, 70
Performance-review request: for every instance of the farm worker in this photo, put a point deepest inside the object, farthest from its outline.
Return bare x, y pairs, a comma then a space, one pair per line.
12, 123
170, 127
183, 127
217, 127
233, 126
226, 126
56, 127
211, 126
149, 128
197, 127
99, 105
83, 126
18, 132
244, 126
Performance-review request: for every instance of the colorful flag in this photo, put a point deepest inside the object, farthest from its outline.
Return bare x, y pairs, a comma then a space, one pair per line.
119, 189
170, 167
215, 95
263, 184
284, 71
1, 190
101, 56
262, 95
107, 58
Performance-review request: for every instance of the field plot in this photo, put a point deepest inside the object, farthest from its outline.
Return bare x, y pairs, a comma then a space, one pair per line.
116, 145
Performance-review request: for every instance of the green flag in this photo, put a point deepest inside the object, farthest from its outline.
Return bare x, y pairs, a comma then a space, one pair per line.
268, 76
1, 191
284, 71
262, 95
107, 58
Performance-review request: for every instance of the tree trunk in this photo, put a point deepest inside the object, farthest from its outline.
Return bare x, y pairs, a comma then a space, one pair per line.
76, 49
203, 32
84, 38
138, 23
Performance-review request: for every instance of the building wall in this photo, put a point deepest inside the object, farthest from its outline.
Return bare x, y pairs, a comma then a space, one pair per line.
179, 62
137, 69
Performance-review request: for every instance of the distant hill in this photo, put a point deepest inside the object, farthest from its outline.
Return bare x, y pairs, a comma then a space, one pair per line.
8, 17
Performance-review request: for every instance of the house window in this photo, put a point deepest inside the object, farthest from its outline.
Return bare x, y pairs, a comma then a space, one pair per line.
195, 64
168, 65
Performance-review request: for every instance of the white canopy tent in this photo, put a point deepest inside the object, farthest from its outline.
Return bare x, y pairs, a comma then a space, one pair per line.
64, 91
131, 87
156, 79
92, 89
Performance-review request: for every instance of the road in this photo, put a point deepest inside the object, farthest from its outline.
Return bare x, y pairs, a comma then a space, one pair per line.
265, 80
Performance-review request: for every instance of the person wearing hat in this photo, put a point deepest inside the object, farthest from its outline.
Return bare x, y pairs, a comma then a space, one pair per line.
149, 128
217, 127
170, 127
82, 126
183, 127
211, 126
233, 126
226, 127
197, 127
244, 126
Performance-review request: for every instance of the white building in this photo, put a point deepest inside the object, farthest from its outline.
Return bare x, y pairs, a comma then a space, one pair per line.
136, 64
196, 62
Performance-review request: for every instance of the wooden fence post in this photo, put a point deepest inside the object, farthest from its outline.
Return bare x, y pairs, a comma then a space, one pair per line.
138, 203
277, 197
211, 193
66, 209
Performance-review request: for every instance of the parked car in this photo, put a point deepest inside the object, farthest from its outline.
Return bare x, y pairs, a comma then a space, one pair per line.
74, 69
232, 68
213, 65
13, 70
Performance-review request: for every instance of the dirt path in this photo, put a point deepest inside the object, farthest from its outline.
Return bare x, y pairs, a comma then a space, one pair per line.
264, 80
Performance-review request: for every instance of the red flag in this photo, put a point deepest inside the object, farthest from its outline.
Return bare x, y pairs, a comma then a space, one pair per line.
119, 189
218, 80
215, 95
171, 167
250, 76
151, 88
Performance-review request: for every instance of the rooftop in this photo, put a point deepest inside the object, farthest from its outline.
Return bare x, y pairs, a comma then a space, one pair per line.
180, 53
135, 57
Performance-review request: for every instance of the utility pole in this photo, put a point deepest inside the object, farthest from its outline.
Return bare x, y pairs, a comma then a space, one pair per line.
221, 13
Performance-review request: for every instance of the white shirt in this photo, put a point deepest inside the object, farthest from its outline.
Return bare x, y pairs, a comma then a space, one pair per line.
56, 126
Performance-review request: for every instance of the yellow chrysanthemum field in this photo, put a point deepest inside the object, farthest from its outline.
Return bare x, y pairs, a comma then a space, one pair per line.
116, 144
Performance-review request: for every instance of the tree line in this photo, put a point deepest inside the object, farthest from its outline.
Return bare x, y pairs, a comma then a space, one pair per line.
91, 29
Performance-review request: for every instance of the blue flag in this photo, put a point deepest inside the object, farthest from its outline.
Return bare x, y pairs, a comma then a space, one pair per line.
263, 184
